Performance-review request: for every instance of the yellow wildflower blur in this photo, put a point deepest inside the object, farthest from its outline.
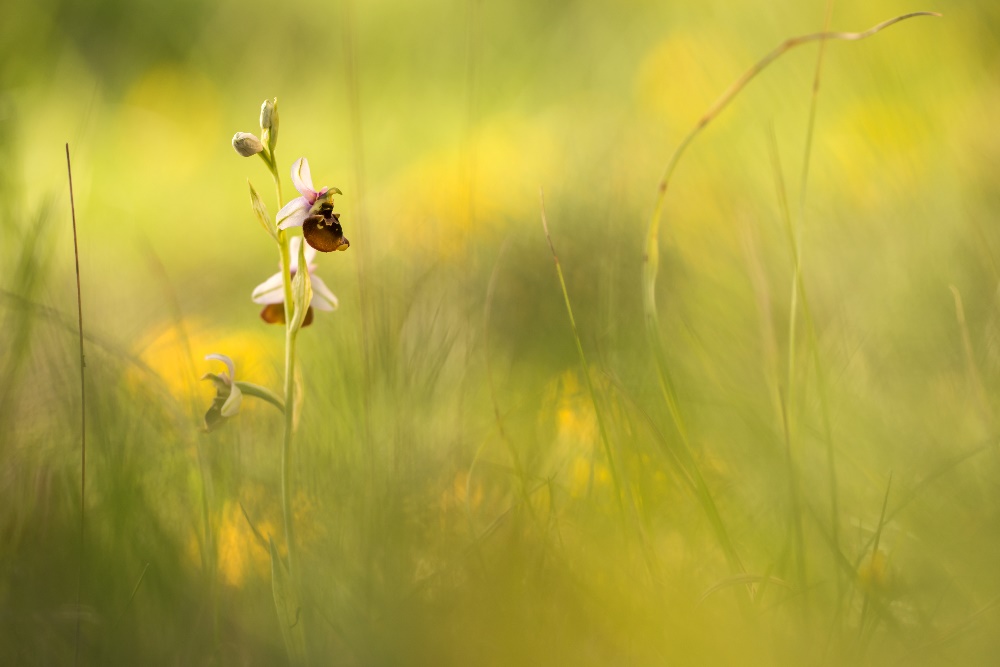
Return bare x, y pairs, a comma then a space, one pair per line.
475, 187
575, 451
178, 357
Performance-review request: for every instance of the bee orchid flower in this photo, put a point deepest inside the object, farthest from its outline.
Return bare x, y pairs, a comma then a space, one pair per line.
228, 396
313, 211
271, 291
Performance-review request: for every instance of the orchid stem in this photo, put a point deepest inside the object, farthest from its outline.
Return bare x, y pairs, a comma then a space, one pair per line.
286, 279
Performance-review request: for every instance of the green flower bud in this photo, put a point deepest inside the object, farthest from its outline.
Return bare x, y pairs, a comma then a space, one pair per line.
247, 144
269, 122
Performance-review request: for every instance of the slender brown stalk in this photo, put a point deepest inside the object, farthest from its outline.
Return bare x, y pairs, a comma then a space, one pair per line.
83, 411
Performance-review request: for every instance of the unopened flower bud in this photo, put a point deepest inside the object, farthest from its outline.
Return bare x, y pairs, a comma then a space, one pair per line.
269, 122
247, 144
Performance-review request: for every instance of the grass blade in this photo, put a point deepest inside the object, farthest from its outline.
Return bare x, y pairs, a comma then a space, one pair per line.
286, 604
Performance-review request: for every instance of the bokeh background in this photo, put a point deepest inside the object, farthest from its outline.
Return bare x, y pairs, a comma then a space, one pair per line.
454, 498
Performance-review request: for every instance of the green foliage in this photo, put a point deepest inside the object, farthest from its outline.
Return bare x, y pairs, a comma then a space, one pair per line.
454, 500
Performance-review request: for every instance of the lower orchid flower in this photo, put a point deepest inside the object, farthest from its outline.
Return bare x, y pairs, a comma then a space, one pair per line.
228, 396
271, 291
313, 211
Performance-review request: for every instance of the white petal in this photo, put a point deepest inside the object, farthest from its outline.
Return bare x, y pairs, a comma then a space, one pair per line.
302, 178
226, 360
293, 249
269, 291
323, 298
293, 213
232, 404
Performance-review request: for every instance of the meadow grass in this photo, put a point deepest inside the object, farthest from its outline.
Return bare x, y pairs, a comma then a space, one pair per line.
617, 462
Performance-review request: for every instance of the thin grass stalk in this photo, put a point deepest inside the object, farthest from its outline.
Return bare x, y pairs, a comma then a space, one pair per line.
286, 450
511, 449
784, 394
349, 26
807, 314
83, 413
878, 538
583, 363
365, 305
690, 473
770, 343
974, 379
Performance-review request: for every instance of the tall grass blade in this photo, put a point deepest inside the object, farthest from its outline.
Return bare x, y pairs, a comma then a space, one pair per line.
583, 364
874, 560
83, 409
286, 604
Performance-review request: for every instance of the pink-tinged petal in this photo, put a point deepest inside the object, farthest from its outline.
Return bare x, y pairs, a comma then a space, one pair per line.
270, 291
323, 298
226, 360
296, 219
293, 213
302, 179
310, 256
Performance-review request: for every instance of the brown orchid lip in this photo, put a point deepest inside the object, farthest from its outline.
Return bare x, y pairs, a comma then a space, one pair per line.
324, 232
274, 313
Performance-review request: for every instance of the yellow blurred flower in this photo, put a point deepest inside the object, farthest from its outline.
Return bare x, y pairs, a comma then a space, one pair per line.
240, 553
683, 74
575, 455
495, 176
463, 493
873, 573
170, 115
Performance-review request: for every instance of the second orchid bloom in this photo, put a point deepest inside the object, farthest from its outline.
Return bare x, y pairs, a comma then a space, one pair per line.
271, 292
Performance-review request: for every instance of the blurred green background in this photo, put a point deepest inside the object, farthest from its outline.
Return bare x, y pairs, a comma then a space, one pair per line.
453, 495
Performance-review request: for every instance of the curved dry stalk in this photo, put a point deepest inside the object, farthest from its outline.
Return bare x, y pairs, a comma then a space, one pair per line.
651, 257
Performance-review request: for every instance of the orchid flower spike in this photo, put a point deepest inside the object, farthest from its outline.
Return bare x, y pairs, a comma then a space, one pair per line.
313, 211
271, 292
228, 396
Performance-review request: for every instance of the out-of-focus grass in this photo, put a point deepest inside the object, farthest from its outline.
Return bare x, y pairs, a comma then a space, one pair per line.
421, 542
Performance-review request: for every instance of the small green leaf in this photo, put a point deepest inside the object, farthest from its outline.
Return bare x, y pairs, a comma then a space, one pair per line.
286, 603
301, 291
261, 212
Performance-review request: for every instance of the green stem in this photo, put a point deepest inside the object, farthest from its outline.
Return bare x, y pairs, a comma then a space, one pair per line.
286, 493
286, 446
